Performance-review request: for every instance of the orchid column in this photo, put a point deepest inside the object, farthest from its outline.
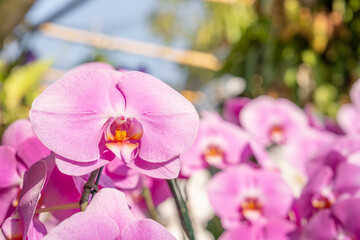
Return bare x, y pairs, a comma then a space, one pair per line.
94, 116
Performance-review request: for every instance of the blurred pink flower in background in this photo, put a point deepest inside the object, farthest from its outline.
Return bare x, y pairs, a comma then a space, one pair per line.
245, 194
272, 121
219, 143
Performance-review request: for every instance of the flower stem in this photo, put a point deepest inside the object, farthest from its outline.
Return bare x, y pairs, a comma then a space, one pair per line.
93, 192
149, 202
182, 209
58, 207
84, 200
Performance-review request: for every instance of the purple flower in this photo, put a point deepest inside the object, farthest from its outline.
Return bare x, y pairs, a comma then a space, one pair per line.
273, 121
93, 116
243, 193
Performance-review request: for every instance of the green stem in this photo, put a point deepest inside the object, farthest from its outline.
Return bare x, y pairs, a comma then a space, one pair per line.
149, 202
93, 192
84, 200
182, 209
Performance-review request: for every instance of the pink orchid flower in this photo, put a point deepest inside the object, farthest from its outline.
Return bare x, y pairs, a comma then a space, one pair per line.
272, 121
108, 217
326, 186
340, 222
244, 193
20, 149
219, 143
93, 116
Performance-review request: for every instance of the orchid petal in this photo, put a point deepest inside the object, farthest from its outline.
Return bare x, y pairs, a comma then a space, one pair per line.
61, 189
164, 170
32, 150
8, 167
7, 198
17, 132
112, 203
84, 226
34, 180
146, 229
170, 122
68, 117
74, 168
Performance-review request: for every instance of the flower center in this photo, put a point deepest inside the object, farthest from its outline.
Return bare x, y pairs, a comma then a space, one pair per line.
322, 202
277, 134
213, 154
122, 137
251, 208
124, 129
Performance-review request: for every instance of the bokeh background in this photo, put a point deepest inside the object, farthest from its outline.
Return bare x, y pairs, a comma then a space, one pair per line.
304, 50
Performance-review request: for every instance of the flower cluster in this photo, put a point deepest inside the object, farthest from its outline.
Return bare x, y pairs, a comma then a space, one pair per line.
281, 172
106, 142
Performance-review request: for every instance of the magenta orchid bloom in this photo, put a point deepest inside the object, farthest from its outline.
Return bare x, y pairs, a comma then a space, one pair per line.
219, 143
108, 217
243, 193
273, 121
21, 148
93, 116
233, 107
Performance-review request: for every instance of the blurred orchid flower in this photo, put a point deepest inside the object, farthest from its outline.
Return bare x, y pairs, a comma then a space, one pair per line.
340, 222
272, 121
243, 193
108, 217
218, 143
94, 115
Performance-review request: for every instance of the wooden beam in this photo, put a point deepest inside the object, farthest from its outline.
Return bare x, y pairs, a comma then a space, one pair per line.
185, 57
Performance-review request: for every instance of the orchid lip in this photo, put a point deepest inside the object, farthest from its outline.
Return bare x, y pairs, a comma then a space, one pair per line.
277, 133
251, 208
214, 154
122, 137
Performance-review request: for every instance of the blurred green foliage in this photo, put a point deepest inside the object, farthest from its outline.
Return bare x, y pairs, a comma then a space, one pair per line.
304, 50
19, 88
